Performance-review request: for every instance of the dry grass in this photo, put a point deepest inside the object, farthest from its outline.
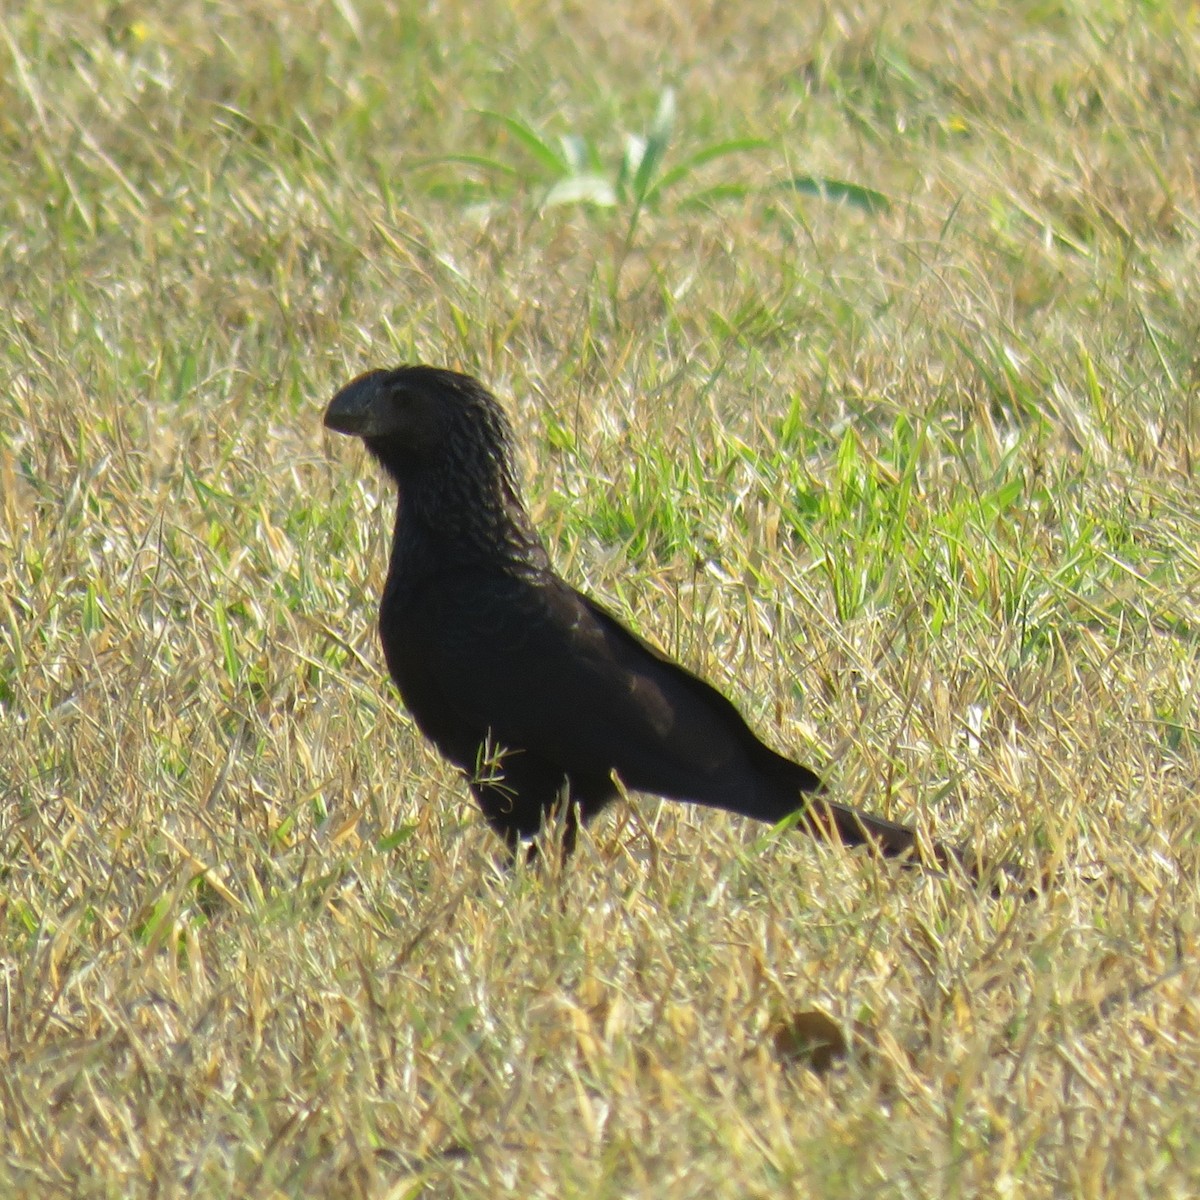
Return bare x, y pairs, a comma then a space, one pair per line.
916, 486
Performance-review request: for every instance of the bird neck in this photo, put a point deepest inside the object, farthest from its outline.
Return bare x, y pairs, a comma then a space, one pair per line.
484, 526
461, 508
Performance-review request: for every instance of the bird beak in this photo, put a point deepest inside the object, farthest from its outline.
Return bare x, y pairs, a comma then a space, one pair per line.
360, 408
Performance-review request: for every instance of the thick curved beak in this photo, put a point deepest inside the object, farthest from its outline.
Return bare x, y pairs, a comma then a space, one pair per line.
361, 407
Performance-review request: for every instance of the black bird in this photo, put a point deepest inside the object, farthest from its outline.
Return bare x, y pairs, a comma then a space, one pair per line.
532, 689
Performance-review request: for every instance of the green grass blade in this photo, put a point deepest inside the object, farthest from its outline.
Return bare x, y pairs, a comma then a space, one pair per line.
868, 199
537, 146
700, 158
656, 145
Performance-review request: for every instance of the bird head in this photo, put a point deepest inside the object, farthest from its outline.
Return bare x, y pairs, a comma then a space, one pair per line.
407, 408
420, 417
444, 438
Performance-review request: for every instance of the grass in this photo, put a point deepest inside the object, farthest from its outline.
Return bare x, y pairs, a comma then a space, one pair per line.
852, 353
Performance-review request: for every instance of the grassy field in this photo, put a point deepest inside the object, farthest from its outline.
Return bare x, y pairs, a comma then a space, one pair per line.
853, 357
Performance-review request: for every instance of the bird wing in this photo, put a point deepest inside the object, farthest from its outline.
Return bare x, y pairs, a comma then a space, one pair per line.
550, 671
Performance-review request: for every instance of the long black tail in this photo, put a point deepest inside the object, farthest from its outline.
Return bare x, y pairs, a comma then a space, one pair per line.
829, 819
788, 787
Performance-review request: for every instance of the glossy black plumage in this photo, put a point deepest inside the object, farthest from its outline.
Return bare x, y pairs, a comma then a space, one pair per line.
520, 680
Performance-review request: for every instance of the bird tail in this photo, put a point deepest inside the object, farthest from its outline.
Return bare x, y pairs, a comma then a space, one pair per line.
786, 785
